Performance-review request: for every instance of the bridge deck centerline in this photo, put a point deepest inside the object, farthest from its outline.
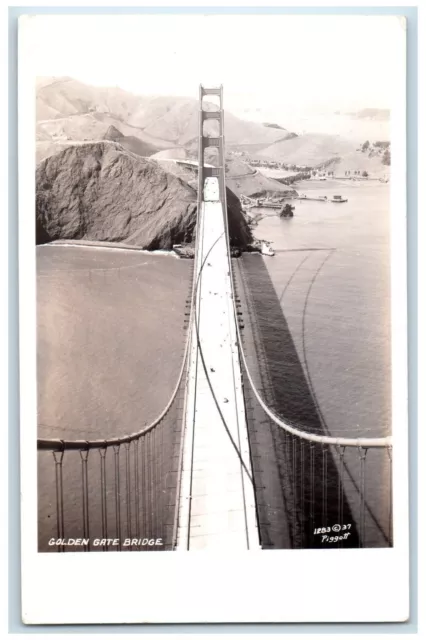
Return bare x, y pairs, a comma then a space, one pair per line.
220, 509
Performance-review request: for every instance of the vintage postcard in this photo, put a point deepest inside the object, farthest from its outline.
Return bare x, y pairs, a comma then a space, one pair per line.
213, 331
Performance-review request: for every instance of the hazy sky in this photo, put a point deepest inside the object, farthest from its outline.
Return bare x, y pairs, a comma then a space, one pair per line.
300, 61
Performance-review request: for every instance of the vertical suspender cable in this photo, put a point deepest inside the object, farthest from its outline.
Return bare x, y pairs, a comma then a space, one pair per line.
102, 456
137, 507
324, 484
84, 454
58, 457
128, 494
302, 491
117, 494
389, 449
362, 457
312, 493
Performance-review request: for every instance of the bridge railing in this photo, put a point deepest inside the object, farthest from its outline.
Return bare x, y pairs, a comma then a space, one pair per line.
113, 494
332, 490
335, 491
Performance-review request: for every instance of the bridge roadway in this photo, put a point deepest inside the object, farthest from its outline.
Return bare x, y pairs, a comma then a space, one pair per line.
217, 503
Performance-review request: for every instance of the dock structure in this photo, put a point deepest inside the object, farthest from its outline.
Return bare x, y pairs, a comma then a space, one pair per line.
217, 508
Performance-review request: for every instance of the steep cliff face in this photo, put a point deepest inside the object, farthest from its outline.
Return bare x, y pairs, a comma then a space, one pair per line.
240, 234
101, 192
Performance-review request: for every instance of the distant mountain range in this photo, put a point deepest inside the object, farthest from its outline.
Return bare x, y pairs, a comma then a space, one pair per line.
68, 110
372, 114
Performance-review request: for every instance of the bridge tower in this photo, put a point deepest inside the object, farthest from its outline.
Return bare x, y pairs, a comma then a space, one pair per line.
217, 507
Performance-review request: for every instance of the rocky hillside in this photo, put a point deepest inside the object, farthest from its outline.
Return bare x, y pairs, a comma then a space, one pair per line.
179, 124
54, 135
337, 153
245, 180
70, 111
61, 97
241, 179
358, 161
131, 143
310, 149
102, 192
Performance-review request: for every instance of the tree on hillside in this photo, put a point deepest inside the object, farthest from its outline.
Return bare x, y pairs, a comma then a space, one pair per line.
386, 157
364, 174
365, 145
383, 144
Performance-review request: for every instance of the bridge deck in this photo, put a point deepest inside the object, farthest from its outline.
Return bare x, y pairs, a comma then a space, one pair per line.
217, 504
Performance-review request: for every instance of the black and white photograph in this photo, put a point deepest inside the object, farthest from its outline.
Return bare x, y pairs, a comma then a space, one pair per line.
215, 242
213, 289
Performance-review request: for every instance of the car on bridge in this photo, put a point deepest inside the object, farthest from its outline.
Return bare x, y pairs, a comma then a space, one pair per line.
211, 190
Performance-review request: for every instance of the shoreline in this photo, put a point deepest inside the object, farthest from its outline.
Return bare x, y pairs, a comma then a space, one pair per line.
111, 246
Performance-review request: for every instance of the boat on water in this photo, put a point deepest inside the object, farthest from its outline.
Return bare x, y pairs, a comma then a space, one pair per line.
317, 198
266, 250
322, 198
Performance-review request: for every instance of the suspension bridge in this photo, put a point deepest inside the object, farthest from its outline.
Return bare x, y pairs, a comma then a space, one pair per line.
219, 468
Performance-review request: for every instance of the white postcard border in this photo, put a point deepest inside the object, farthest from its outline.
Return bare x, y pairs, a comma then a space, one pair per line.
282, 586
